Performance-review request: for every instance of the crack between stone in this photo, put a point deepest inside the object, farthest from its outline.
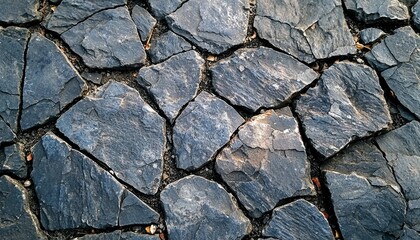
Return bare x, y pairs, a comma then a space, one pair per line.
22, 82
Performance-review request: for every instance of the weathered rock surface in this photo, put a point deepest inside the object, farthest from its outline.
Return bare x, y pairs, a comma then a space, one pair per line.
370, 35
213, 25
174, 82
50, 83
260, 77
93, 77
266, 162
416, 15
144, 21
204, 126
161, 8
6, 134
347, 103
16, 219
118, 235
196, 208
166, 45
410, 234
74, 192
13, 161
298, 220
117, 127
306, 30
370, 10
108, 39
19, 11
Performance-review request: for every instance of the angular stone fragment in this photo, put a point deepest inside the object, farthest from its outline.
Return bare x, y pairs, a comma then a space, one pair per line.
204, 126
298, 220
166, 45
347, 103
370, 10
13, 161
213, 25
174, 82
144, 21
19, 11
416, 15
16, 218
108, 39
74, 192
161, 8
266, 162
260, 77
370, 35
196, 208
305, 29
410, 234
93, 77
6, 134
72, 12
50, 83
118, 235
117, 127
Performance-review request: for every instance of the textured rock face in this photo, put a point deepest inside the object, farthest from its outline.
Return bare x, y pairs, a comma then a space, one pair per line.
166, 45
305, 29
119, 235
117, 127
202, 128
7, 135
347, 103
217, 26
143, 20
195, 207
50, 84
370, 10
370, 35
108, 39
415, 10
174, 82
12, 161
19, 11
260, 77
161, 8
76, 193
266, 162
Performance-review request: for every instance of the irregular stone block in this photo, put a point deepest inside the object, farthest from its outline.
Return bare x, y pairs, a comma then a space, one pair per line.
416, 15
370, 35
161, 8
119, 235
7, 135
144, 21
370, 10
167, 45
12, 160
19, 11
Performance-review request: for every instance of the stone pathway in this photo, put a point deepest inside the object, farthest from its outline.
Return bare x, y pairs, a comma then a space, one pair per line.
209, 119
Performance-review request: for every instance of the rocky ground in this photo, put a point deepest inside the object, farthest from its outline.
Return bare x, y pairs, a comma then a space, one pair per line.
209, 119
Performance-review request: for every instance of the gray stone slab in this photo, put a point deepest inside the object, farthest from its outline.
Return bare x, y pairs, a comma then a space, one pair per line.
93, 77
266, 162
260, 77
161, 8
205, 125
19, 11
74, 192
167, 45
108, 39
213, 25
12, 161
117, 127
347, 103
6, 134
305, 30
196, 208
50, 83
174, 82
298, 220
415, 10
119, 235
370, 35
144, 21
370, 11
410, 234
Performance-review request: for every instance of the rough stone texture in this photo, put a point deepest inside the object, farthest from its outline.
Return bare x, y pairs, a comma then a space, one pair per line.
19, 11
118, 235
74, 192
410, 234
298, 220
50, 83
370, 35
347, 103
166, 45
204, 126
117, 127
161, 8
416, 15
16, 220
13, 42
108, 39
196, 208
13, 161
144, 21
6, 134
174, 82
266, 162
71, 12
93, 77
213, 25
370, 10
260, 77
305, 29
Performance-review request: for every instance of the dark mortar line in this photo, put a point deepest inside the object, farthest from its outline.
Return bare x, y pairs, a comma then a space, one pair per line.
22, 82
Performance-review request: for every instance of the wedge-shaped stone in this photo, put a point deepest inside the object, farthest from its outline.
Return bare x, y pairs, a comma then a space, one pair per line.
167, 45
13, 161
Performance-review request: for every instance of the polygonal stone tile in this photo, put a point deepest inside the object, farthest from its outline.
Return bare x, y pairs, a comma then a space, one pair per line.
13, 161
19, 11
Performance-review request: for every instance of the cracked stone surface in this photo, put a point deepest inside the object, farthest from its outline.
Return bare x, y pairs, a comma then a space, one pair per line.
74, 192
118, 235
19, 11
218, 25
260, 77
370, 10
144, 21
13, 161
205, 125
118, 128
370, 35
7, 135
347, 103
305, 30
195, 207
167, 45
266, 162
161, 8
415, 10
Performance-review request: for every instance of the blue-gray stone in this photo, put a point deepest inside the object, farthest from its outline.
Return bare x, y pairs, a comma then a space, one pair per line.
161, 8
370, 35
6, 134
119, 235
144, 21
370, 11
19, 11
12, 161
416, 15
167, 45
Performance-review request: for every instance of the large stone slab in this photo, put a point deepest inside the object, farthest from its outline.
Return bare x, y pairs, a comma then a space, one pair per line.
161, 8
347, 103
19, 11
117, 127
196, 208
50, 83
260, 77
119, 235
305, 29
144, 21
266, 162
370, 10
12, 161
213, 25
108, 39
74, 192
204, 126
174, 82
167, 45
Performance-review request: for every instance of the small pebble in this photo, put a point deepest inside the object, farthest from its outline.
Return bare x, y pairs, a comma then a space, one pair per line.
27, 183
